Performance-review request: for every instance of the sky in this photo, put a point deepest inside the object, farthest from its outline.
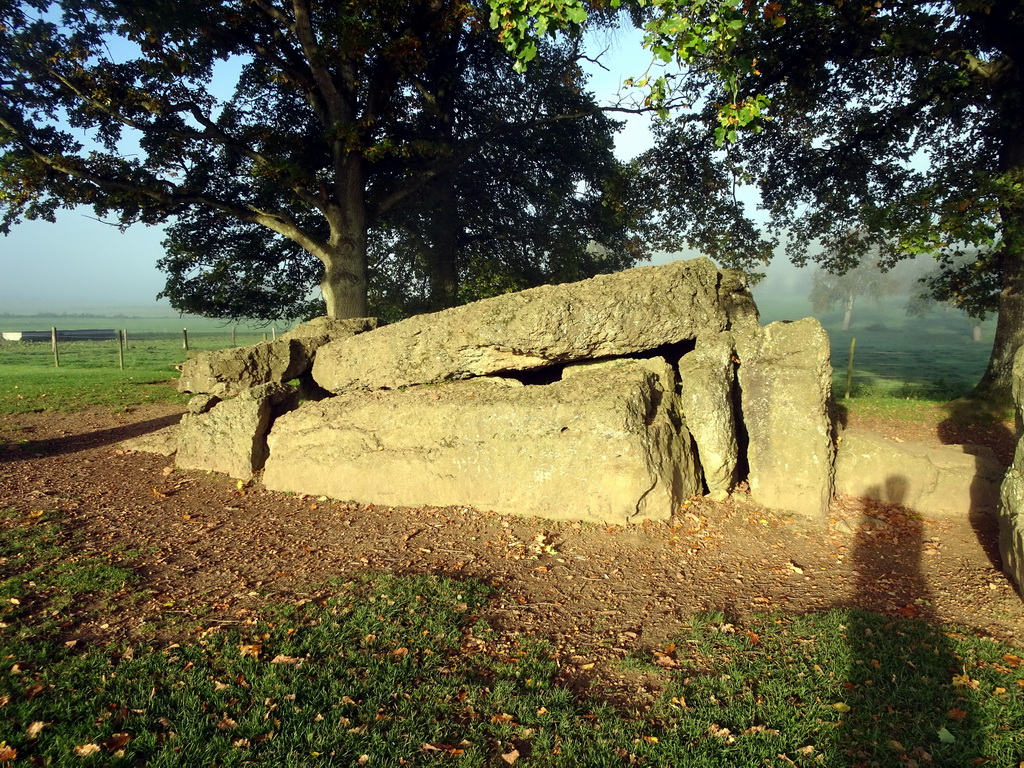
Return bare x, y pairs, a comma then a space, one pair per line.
79, 264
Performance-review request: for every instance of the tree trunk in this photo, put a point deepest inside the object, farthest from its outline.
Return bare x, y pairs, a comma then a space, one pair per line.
996, 385
444, 245
850, 298
344, 284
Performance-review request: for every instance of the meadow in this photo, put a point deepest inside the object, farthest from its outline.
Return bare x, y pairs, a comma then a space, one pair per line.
90, 373
934, 357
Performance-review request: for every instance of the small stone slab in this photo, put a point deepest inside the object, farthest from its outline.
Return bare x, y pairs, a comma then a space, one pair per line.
162, 442
229, 372
231, 436
930, 479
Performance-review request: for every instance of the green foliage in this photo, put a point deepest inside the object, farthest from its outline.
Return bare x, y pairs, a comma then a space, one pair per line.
896, 121
344, 112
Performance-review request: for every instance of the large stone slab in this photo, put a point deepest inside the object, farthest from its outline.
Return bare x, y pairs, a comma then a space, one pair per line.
607, 316
1011, 506
785, 381
706, 380
600, 445
232, 436
933, 480
229, 372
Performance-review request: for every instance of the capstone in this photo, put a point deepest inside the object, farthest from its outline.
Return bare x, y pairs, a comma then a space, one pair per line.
606, 316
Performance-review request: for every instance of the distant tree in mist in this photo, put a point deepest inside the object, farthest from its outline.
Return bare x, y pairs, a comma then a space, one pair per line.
952, 283
867, 280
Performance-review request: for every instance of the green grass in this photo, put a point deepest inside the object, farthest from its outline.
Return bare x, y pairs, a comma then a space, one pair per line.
392, 670
89, 374
27, 389
933, 358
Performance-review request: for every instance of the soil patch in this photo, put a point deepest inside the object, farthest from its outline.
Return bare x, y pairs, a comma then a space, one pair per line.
209, 551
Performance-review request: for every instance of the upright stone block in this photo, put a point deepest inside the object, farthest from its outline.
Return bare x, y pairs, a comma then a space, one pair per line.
232, 436
785, 381
1011, 498
706, 380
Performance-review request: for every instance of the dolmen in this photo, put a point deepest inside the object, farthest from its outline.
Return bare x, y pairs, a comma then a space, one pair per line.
613, 400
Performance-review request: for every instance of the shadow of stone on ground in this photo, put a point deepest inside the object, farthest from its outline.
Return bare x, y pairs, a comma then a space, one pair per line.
58, 446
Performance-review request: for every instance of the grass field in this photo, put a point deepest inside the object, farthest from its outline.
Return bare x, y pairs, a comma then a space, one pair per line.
377, 670
89, 372
933, 358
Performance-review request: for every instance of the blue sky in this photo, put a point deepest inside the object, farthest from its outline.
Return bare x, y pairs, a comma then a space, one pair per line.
79, 264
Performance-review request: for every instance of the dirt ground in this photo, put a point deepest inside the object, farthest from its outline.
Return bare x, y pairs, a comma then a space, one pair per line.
211, 551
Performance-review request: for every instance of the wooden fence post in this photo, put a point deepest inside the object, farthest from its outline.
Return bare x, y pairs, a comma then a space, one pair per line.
849, 368
53, 343
184, 337
120, 349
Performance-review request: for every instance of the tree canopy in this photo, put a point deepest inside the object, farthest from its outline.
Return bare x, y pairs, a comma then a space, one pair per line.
346, 117
889, 126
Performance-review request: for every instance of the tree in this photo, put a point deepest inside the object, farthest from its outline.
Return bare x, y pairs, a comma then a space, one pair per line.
897, 119
318, 142
520, 211
866, 279
903, 122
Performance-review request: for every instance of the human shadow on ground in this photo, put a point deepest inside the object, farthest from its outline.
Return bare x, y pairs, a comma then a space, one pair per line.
903, 707
966, 421
58, 446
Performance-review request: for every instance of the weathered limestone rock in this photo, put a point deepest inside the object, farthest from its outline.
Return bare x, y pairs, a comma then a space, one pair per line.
202, 403
614, 315
943, 480
706, 381
1011, 506
320, 330
231, 437
785, 384
228, 372
162, 442
599, 445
